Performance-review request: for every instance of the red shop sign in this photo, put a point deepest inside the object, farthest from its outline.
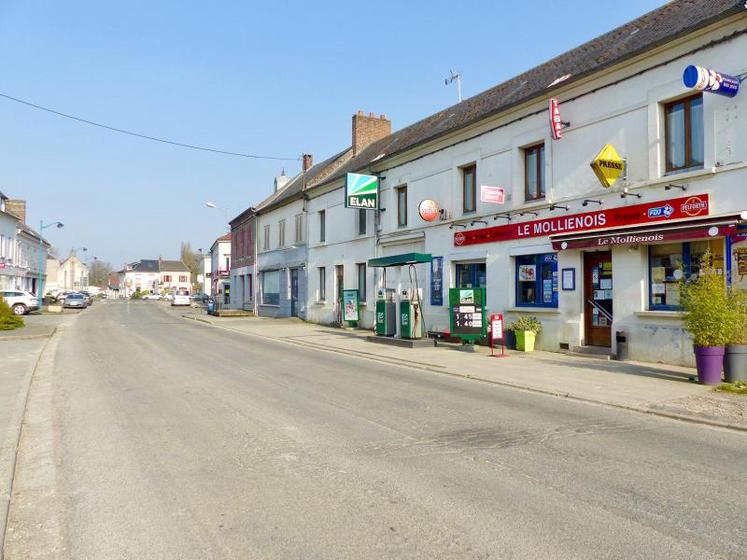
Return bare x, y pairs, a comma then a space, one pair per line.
647, 213
556, 125
645, 237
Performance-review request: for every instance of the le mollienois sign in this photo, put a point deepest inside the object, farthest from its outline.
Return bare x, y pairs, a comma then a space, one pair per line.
361, 191
643, 214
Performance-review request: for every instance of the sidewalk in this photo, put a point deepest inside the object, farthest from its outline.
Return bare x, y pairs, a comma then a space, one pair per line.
651, 388
17, 364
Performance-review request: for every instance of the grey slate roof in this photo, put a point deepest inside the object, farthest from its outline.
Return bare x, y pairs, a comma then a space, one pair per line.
671, 21
295, 187
144, 265
172, 266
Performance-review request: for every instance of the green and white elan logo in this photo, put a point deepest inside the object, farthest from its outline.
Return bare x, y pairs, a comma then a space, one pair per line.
362, 191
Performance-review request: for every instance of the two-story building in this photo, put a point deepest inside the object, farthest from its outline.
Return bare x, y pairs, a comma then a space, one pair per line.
23, 251
67, 274
157, 276
220, 269
522, 213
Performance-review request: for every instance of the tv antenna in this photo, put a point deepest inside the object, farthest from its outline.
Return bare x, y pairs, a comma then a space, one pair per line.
455, 77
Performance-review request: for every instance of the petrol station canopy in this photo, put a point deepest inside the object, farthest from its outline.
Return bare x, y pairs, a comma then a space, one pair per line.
400, 260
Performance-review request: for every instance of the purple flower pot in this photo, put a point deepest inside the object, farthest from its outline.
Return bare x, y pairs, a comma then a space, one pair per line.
709, 360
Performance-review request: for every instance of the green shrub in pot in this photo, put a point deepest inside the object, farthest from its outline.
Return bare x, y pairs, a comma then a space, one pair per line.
735, 356
709, 317
526, 329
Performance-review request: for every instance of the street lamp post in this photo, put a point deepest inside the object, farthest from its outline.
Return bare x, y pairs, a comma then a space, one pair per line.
39, 281
225, 211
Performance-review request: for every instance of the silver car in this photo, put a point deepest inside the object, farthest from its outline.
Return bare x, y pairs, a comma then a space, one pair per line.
20, 302
76, 301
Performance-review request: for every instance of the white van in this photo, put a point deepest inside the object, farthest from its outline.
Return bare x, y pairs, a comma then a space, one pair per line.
181, 297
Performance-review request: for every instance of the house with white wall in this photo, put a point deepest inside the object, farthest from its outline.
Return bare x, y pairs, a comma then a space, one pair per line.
220, 266
20, 247
590, 260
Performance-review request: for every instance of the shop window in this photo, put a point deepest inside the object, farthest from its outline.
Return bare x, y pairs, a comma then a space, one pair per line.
271, 287
470, 275
534, 172
469, 189
684, 134
537, 280
672, 263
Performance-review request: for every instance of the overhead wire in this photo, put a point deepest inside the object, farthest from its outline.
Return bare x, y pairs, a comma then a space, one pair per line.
143, 136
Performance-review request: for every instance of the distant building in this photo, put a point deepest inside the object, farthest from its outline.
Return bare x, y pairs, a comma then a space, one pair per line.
220, 269
154, 276
19, 248
68, 274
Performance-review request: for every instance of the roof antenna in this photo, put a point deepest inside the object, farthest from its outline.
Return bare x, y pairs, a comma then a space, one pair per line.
455, 77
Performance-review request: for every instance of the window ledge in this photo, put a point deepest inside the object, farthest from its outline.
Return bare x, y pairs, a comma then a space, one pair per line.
268, 305
661, 314
320, 302
546, 310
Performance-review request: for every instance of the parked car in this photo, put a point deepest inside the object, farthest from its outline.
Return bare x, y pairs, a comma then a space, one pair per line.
75, 301
20, 302
60, 297
181, 297
89, 296
152, 296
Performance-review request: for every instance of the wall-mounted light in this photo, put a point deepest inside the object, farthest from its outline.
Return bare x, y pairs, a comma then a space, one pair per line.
626, 194
473, 222
452, 226
671, 186
528, 212
506, 216
556, 206
587, 201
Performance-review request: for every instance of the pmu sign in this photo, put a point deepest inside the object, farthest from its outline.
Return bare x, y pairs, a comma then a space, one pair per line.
643, 214
361, 191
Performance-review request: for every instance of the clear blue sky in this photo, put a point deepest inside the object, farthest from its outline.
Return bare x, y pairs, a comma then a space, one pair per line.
275, 78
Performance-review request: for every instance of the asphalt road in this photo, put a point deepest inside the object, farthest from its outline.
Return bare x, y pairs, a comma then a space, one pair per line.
150, 436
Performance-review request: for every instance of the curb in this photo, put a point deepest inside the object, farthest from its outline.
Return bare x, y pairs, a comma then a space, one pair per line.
30, 336
412, 365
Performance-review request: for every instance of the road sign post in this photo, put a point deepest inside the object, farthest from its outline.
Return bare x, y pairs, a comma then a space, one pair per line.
496, 332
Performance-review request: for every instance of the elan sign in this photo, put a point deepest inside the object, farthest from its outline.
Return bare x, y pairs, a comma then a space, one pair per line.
361, 191
647, 213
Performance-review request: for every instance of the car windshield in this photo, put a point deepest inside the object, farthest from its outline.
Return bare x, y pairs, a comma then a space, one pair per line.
76, 296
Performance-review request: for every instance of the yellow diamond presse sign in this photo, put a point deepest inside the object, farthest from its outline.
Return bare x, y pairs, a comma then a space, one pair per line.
608, 166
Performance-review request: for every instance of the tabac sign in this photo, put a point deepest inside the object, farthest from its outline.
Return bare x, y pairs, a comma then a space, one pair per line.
608, 166
361, 191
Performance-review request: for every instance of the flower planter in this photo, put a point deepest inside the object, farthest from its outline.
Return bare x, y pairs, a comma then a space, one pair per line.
709, 361
735, 363
525, 341
509, 339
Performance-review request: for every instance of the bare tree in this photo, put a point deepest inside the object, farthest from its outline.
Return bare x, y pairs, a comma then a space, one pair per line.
98, 273
191, 260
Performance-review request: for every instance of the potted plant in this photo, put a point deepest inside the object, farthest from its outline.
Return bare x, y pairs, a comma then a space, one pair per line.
735, 357
708, 317
526, 329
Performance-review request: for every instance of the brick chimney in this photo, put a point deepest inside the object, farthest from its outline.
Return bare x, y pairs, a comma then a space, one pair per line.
308, 162
369, 129
17, 208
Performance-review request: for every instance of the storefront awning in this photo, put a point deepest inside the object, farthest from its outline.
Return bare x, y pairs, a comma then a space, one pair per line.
400, 260
702, 227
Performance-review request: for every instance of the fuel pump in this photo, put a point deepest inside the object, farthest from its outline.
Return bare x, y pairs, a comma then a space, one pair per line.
410, 311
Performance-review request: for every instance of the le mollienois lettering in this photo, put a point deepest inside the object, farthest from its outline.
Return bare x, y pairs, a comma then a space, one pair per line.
630, 239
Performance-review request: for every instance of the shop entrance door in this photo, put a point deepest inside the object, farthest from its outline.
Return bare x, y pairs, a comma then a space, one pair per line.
598, 299
294, 292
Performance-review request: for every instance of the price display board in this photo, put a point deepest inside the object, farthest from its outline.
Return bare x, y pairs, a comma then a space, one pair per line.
467, 312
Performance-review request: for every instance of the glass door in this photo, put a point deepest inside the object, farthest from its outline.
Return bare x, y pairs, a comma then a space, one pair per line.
598, 299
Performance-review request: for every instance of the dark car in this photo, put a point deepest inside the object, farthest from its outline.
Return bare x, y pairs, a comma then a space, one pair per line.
76, 301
